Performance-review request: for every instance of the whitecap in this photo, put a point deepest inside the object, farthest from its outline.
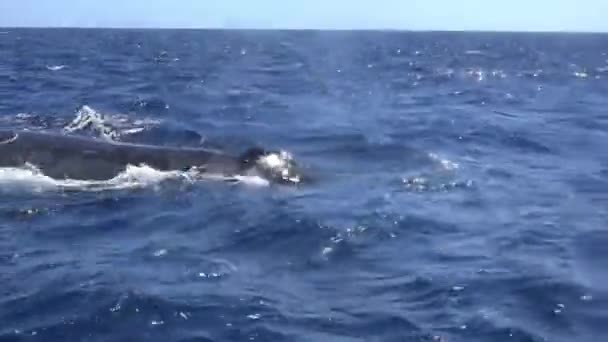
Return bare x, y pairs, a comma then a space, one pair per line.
254, 316
445, 163
55, 67
499, 73
24, 115
477, 73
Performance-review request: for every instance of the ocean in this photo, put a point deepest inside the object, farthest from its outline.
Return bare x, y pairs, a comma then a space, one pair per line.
460, 187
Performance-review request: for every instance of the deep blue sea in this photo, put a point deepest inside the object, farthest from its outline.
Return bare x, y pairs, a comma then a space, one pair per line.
460, 187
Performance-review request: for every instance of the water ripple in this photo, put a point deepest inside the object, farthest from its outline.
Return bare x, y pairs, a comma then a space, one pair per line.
459, 187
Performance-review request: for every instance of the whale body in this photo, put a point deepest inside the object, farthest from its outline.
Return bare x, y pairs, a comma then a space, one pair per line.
69, 156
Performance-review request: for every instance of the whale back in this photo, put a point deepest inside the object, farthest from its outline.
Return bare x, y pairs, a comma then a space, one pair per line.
68, 156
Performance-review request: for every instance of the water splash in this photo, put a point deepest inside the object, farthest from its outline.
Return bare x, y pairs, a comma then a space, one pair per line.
443, 176
425, 184
89, 119
30, 179
109, 127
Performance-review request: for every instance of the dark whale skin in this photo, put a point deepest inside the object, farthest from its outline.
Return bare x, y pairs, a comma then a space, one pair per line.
68, 156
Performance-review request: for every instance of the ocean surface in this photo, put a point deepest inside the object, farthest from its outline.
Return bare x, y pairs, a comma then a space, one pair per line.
460, 187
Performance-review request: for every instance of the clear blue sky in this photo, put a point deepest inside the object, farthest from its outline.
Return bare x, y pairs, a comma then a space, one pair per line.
512, 15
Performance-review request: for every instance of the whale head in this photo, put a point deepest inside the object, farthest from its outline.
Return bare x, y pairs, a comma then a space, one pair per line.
276, 166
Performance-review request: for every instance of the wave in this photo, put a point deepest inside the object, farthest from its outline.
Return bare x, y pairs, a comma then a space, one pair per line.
55, 67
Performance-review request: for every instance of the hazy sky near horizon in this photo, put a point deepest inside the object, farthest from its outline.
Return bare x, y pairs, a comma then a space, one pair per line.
510, 15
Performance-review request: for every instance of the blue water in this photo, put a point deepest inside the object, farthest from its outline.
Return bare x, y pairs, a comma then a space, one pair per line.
460, 188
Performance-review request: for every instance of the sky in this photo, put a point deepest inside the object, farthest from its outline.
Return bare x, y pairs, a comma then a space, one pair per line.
490, 15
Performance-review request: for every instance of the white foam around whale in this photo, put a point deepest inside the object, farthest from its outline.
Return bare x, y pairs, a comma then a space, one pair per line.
30, 179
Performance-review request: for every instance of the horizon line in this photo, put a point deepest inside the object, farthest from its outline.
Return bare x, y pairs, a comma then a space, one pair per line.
253, 28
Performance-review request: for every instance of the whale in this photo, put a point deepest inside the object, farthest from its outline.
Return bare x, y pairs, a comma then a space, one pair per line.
67, 156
